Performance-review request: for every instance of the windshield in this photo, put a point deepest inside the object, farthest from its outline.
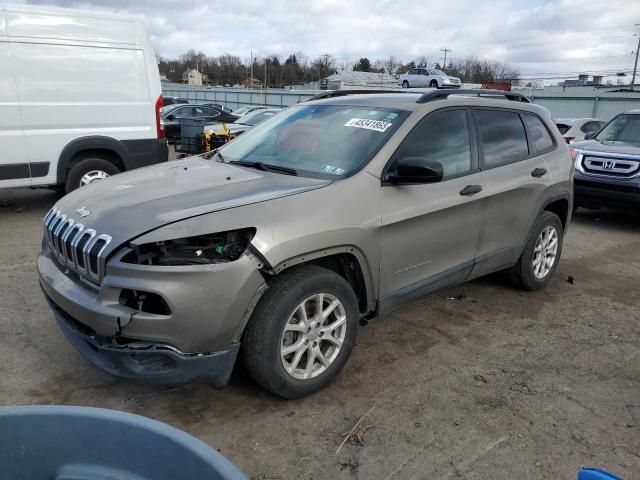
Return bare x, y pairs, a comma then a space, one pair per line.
439, 72
623, 129
254, 118
326, 141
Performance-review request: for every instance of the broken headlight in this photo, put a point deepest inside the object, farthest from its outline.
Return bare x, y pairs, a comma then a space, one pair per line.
198, 250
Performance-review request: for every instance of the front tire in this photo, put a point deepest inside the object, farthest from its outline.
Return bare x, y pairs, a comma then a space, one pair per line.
541, 254
433, 84
405, 84
302, 332
88, 171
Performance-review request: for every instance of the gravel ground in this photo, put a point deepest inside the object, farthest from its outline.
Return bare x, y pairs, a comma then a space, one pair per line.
479, 381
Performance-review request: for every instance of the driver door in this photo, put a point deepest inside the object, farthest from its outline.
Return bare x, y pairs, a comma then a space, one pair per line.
430, 231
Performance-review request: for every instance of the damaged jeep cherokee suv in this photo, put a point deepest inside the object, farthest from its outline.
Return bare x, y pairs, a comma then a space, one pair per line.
331, 212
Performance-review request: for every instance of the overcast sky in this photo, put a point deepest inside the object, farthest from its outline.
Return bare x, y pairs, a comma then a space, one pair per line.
543, 39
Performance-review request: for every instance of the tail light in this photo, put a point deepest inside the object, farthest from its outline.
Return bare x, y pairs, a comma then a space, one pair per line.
159, 119
569, 139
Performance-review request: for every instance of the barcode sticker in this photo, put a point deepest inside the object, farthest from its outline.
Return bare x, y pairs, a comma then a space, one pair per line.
376, 125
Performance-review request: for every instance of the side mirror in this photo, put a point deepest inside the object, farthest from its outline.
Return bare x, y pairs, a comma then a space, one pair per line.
416, 170
170, 117
589, 135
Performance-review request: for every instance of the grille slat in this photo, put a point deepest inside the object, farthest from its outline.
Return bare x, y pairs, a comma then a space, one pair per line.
75, 246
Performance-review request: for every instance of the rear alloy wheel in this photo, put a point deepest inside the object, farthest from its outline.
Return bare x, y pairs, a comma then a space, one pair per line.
88, 171
405, 84
541, 254
302, 332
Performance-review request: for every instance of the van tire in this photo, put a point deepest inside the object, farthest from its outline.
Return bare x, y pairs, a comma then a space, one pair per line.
264, 336
85, 166
523, 273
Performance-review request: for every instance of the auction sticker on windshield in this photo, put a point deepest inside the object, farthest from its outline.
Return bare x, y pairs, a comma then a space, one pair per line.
376, 125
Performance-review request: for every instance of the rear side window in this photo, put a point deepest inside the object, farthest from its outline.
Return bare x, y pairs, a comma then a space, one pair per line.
563, 127
503, 137
591, 127
441, 136
538, 133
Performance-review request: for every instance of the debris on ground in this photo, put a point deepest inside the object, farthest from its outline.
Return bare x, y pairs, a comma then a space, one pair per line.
18, 209
358, 433
523, 388
480, 378
571, 280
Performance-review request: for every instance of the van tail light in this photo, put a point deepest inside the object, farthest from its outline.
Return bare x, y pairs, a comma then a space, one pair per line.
569, 139
159, 119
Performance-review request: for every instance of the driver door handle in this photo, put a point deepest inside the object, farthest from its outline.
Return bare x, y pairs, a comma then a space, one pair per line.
538, 172
471, 190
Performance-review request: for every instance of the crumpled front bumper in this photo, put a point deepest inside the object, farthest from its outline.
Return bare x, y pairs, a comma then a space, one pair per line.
209, 306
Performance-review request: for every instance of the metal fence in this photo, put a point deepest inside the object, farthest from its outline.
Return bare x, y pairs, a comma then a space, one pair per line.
562, 104
237, 97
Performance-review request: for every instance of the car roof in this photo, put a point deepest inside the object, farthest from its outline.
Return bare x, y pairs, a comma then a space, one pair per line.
634, 111
410, 101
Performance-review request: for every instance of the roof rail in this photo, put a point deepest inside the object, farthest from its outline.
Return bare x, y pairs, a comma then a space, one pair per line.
342, 93
443, 94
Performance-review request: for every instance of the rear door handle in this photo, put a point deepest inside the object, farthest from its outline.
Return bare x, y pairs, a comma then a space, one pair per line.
471, 190
539, 172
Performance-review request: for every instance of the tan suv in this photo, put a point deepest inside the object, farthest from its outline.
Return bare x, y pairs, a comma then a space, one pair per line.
333, 211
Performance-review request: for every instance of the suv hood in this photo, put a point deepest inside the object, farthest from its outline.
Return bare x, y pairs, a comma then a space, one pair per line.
597, 146
130, 204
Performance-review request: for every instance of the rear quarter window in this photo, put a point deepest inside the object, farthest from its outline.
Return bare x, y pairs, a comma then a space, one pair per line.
503, 137
538, 133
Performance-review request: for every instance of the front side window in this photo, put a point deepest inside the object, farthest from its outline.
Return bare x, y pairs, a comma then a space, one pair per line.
539, 133
624, 128
503, 137
325, 141
442, 136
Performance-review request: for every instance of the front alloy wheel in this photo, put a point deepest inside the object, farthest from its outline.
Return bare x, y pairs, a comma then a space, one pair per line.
313, 336
302, 331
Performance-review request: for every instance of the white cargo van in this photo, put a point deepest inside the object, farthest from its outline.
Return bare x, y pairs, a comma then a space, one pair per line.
80, 97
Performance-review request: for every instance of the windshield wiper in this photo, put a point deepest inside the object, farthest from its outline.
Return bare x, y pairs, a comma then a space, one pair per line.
265, 167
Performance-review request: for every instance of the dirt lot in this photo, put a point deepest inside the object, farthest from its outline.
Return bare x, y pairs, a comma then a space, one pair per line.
480, 381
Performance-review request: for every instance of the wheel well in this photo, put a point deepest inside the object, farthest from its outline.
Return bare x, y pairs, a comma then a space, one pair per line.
347, 266
561, 208
102, 153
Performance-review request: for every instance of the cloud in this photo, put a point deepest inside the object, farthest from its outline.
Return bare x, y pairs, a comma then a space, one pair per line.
540, 38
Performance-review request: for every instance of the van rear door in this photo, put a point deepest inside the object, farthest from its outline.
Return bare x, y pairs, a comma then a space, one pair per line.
14, 165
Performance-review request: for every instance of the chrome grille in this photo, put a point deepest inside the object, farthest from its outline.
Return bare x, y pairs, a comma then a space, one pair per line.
74, 246
611, 166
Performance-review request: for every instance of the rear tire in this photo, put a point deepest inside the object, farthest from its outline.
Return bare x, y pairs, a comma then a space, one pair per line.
89, 170
433, 84
541, 254
405, 84
287, 330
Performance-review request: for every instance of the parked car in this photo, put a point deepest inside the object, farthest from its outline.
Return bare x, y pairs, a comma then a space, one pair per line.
245, 122
608, 164
174, 101
575, 129
428, 77
172, 118
69, 115
285, 238
248, 109
219, 106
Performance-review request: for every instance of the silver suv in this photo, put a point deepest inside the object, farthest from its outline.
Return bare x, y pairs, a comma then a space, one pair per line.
331, 213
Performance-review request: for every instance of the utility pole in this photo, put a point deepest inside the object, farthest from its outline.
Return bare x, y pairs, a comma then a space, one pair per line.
251, 77
635, 65
445, 50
